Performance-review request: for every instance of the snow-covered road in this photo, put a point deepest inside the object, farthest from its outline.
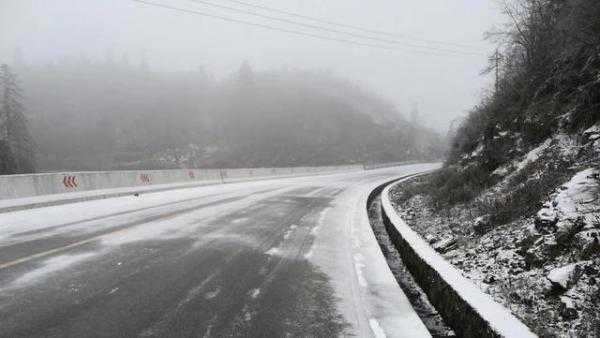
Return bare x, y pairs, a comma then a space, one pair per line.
273, 258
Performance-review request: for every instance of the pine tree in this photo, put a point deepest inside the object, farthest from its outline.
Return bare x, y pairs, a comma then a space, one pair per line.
7, 160
414, 115
245, 76
16, 144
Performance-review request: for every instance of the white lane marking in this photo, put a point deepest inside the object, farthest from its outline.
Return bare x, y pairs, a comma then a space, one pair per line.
239, 220
322, 216
376, 328
358, 266
212, 294
309, 253
254, 293
211, 323
288, 233
315, 191
192, 293
273, 251
247, 313
320, 221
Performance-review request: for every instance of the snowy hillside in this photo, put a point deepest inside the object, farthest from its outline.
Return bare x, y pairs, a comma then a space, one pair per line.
517, 204
544, 267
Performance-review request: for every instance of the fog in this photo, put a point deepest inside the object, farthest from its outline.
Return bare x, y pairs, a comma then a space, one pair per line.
444, 85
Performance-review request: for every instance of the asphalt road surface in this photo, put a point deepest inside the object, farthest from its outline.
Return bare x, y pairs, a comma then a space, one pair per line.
274, 258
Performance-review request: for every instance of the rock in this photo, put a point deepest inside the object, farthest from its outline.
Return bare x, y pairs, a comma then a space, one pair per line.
566, 276
567, 308
515, 271
489, 279
589, 241
431, 238
526, 243
592, 134
590, 270
515, 297
528, 301
591, 249
586, 237
543, 250
567, 229
445, 245
546, 287
546, 219
483, 224
457, 228
508, 258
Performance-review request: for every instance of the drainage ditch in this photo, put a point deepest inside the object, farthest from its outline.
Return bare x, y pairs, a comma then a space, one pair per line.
428, 314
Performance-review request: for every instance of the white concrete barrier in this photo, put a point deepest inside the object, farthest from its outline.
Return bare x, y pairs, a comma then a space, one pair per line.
467, 309
21, 186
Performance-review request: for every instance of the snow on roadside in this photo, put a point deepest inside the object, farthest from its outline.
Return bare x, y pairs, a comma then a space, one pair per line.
564, 145
533, 155
501, 319
564, 275
347, 251
577, 197
592, 133
572, 208
550, 279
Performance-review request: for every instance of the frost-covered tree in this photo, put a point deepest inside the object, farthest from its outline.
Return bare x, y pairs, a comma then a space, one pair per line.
16, 143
